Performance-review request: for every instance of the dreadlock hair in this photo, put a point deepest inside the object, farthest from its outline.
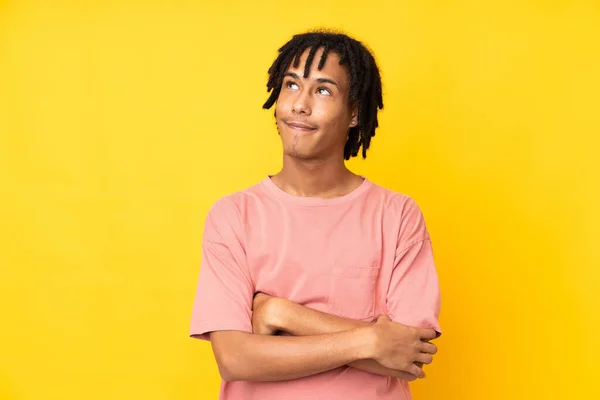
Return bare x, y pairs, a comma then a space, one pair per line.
365, 80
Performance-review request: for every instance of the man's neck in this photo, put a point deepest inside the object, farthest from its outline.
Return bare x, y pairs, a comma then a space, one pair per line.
324, 179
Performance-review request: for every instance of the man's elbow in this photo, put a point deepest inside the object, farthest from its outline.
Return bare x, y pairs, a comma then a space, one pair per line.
232, 369
229, 361
227, 374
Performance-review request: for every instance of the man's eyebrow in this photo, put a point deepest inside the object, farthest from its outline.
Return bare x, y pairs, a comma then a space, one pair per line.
320, 80
327, 80
292, 74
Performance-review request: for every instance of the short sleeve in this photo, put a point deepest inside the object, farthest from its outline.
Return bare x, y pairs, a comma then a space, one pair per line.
223, 299
413, 297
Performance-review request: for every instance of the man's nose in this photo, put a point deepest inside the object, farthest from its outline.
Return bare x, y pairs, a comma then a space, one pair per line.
302, 104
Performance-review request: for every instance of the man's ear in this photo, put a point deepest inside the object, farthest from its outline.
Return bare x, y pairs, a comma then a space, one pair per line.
354, 115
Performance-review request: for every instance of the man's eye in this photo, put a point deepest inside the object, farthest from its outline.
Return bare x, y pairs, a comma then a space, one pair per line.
291, 85
324, 91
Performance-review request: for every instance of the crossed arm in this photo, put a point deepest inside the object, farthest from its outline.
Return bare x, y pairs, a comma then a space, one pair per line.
319, 342
275, 314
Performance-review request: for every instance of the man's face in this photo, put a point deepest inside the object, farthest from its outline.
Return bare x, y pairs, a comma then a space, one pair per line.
313, 114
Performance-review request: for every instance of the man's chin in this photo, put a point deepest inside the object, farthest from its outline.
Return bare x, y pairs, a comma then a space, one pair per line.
299, 154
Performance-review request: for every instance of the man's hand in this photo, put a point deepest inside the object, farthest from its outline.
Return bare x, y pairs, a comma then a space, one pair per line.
264, 314
402, 347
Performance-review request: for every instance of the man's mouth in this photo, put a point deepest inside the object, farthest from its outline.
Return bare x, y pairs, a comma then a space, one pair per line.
300, 126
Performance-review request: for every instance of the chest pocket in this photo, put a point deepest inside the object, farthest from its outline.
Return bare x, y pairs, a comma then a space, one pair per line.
352, 291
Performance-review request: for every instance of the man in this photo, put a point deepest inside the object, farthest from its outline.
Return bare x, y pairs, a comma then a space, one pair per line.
317, 283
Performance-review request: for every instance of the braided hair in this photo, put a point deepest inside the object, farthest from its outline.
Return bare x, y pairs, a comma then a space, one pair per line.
365, 80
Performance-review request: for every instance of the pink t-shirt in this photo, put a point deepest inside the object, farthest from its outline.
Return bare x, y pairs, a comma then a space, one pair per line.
357, 256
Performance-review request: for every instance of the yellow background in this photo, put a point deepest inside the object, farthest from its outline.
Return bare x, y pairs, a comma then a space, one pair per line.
121, 122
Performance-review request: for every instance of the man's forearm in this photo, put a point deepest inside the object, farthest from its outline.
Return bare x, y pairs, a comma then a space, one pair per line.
251, 357
298, 320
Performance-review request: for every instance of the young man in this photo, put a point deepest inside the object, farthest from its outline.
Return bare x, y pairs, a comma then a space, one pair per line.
317, 283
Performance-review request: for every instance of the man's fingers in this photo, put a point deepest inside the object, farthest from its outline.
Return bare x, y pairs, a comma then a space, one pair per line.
423, 358
428, 348
427, 334
405, 376
416, 371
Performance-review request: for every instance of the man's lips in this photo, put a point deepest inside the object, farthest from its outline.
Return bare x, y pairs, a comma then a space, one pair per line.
300, 126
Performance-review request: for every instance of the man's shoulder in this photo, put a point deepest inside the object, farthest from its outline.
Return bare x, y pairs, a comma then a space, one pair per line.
236, 200
393, 199
402, 210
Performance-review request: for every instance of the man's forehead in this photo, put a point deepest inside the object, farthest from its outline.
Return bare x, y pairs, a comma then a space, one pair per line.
330, 67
